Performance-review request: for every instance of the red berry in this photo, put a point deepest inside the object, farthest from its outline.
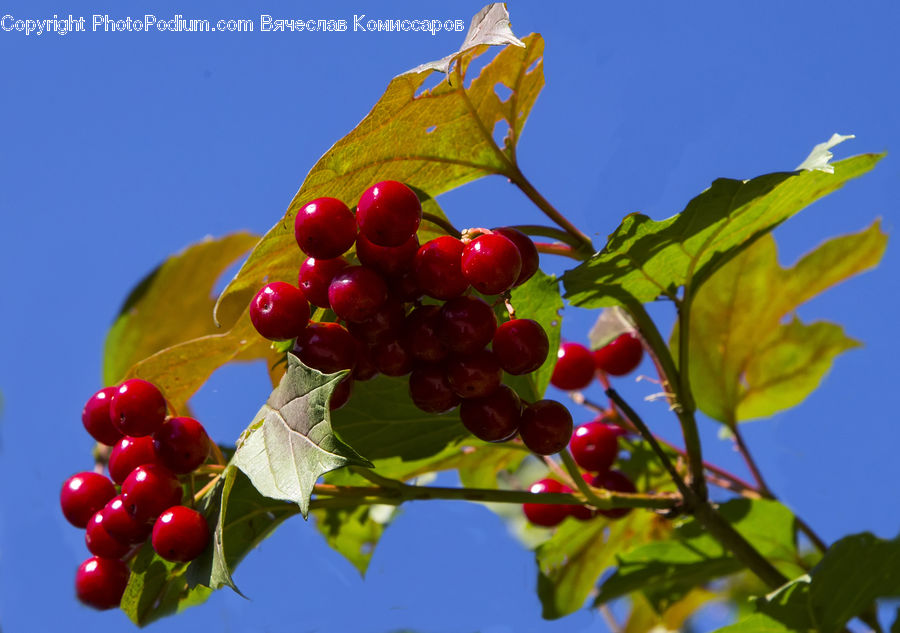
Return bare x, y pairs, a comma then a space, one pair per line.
390, 261
149, 490
595, 446
491, 263
476, 375
615, 481
430, 390
279, 311
546, 427
83, 494
466, 325
438, 270
128, 454
356, 293
527, 251
521, 346
494, 418
574, 367
405, 287
100, 542
421, 334
384, 325
315, 276
620, 356
137, 408
100, 582
181, 444
325, 228
121, 525
365, 368
95, 417
388, 213
546, 514
327, 347
392, 358
341, 394
180, 534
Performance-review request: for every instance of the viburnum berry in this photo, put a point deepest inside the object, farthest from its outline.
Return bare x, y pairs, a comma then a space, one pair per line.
595, 446
83, 494
546, 514
493, 418
466, 324
180, 534
279, 311
421, 334
315, 276
615, 481
365, 368
545, 427
121, 525
137, 408
521, 346
620, 356
438, 269
430, 390
356, 293
404, 287
392, 358
128, 454
100, 582
390, 261
96, 420
388, 213
149, 490
181, 444
527, 252
100, 542
325, 228
491, 263
328, 347
341, 394
384, 325
574, 367
476, 375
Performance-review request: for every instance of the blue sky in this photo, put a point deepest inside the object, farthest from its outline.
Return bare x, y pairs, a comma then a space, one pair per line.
119, 149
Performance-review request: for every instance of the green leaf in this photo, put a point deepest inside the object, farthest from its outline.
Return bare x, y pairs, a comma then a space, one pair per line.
434, 141
756, 623
645, 259
539, 299
745, 361
354, 532
643, 618
291, 443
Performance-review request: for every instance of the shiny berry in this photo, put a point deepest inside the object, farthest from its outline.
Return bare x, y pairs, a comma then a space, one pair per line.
390, 261
100, 582
466, 325
527, 251
100, 542
620, 356
356, 293
341, 394
325, 228
388, 213
476, 375
84, 494
430, 390
521, 346
594, 446
574, 367
546, 514
279, 311
494, 418
438, 270
546, 427
392, 358
491, 263
181, 444
616, 481
128, 454
315, 276
421, 334
327, 347
121, 525
95, 418
149, 490
405, 287
180, 534
365, 368
137, 408
384, 325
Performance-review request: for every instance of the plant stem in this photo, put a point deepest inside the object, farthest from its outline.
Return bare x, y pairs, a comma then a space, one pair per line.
751, 463
572, 468
548, 231
441, 223
557, 248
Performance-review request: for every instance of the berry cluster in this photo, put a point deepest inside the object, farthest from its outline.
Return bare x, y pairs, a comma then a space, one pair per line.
576, 365
149, 453
386, 323
594, 446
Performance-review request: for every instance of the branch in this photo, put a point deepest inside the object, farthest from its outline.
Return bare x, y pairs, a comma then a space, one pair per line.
440, 222
557, 248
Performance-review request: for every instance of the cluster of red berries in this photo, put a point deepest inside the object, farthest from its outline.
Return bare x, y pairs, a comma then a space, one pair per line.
384, 326
594, 447
576, 365
149, 452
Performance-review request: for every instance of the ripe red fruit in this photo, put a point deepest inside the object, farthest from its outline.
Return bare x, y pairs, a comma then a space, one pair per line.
546, 514
279, 311
83, 494
356, 293
438, 269
521, 346
95, 417
384, 325
327, 347
121, 525
315, 276
527, 251
421, 334
137, 408
405, 287
491, 263
341, 394
149, 490
181, 444
128, 454
100, 542
466, 325
595, 446
365, 368
615, 481
546, 427
180, 534
390, 261
494, 418
620, 356
388, 213
430, 390
325, 228
574, 367
100, 582
476, 375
